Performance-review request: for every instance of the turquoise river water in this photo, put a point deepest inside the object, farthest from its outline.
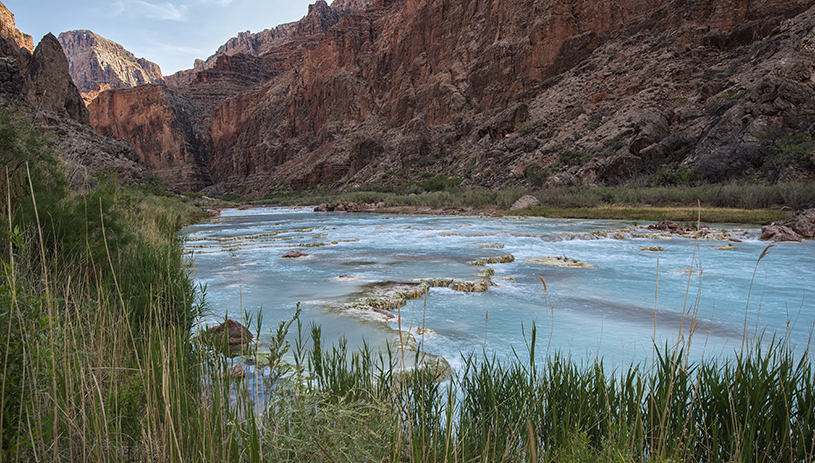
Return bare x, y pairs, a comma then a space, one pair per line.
690, 290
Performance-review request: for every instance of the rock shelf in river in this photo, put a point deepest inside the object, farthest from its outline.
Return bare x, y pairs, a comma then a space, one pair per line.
563, 262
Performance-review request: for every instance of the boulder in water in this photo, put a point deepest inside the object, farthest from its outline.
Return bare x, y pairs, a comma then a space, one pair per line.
294, 254
236, 334
802, 223
778, 233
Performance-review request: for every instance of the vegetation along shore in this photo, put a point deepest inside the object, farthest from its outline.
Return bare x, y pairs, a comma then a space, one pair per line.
669, 116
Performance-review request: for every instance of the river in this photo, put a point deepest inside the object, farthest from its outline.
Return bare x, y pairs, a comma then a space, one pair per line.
641, 287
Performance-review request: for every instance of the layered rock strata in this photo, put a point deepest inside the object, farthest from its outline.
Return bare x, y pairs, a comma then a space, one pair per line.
513, 93
158, 122
167, 127
517, 93
95, 60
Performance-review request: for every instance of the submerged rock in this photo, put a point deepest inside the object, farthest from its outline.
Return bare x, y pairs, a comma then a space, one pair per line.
470, 286
294, 254
563, 262
489, 246
493, 260
652, 248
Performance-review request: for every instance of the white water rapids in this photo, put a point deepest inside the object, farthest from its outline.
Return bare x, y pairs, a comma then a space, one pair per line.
614, 310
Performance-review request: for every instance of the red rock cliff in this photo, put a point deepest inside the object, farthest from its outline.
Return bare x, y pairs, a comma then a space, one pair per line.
157, 121
415, 76
8, 30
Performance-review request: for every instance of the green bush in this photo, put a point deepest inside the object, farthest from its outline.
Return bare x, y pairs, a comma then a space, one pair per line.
785, 149
674, 174
440, 183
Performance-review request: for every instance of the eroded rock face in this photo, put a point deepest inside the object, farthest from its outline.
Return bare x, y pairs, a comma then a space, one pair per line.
95, 60
542, 80
524, 202
157, 121
502, 94
319, 18
778, 233
236, 71
14, 38
38, 86
49, 86
802, 222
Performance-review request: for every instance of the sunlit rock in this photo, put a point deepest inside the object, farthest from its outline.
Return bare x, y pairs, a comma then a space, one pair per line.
236, 334
652, 248
563, 262
778, 233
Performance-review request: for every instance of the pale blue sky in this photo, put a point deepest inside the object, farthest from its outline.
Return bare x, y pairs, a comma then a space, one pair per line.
170, 33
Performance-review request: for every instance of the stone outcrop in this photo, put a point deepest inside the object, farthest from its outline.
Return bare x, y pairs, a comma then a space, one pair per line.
14, 39
37, 86
48, 85
524, 202
158, 122
39, 78
319, 18
778, 233
95, 60
802, 223
168, 137
234, 333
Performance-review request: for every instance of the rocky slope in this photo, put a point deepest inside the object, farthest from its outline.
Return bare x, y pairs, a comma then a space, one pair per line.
37, 86
530, 93
498, 94
95, 60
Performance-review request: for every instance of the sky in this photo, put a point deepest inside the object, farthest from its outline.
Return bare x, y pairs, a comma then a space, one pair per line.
170, 33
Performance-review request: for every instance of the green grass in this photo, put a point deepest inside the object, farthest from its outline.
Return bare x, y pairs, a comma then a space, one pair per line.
756, 203
658, 214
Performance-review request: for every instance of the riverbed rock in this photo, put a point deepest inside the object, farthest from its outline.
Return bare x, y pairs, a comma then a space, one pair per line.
325, 207
489, 246
524, 202
294, 254
236, 334
235, 371
802, 223
563, 262
778, 233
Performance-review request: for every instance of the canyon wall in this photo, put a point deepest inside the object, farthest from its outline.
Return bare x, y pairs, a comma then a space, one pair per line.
158, 123
95, 60
528, 93
414, 79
